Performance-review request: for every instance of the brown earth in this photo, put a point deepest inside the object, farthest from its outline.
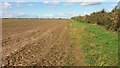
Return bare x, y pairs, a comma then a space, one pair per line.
34, 42
41, 42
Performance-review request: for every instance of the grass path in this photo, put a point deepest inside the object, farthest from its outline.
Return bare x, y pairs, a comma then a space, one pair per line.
92, 45
75, 55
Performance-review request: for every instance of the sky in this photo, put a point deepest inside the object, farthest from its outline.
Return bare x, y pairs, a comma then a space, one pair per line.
53, 8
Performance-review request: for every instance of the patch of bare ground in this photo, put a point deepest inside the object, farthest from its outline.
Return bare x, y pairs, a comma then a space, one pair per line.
75, 55
44, 43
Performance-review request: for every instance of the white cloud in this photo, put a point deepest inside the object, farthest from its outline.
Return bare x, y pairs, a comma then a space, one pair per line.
30, 5
69, 3
86, 2
5, 5
59, 15
0, 5
52, 2
64, 15
82, 2
118, 0
58, 0
46, 2
17, 15
19, 2
89, 3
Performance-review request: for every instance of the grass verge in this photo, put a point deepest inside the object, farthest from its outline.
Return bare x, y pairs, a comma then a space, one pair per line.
100, 47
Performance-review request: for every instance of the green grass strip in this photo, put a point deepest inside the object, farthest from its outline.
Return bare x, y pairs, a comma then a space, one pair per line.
99, 45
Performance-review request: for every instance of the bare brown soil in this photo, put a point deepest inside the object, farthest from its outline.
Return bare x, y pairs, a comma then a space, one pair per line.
28, 42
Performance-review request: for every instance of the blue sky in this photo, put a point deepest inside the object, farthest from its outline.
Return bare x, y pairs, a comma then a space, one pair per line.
47, 9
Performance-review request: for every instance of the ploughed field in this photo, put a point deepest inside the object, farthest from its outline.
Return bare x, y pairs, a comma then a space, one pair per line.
57, 42
29, 42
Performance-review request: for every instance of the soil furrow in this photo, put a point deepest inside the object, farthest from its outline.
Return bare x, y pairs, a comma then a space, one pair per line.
37, 46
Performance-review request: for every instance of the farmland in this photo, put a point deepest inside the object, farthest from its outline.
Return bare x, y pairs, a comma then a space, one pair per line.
35, 42
57, 42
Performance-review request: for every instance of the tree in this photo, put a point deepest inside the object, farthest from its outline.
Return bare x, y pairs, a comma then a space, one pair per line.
103, 11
